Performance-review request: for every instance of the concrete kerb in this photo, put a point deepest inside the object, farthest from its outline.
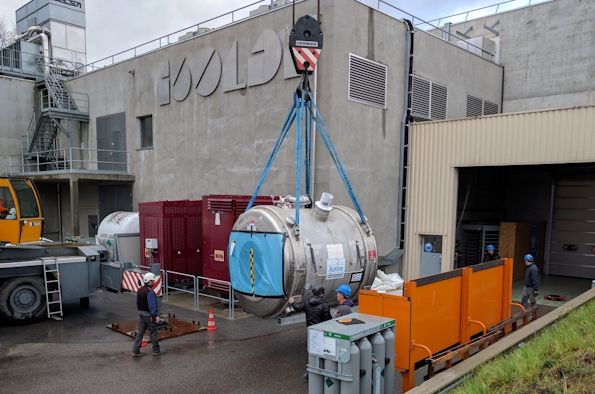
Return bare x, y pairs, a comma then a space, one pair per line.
453, 375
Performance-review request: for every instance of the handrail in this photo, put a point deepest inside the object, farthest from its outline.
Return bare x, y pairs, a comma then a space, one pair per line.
497, 5
71, 159
33, 124
196, 290
230, 293
166, 38
76, 101
168, 286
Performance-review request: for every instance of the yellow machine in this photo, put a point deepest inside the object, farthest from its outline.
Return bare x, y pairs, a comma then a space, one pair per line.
20, 211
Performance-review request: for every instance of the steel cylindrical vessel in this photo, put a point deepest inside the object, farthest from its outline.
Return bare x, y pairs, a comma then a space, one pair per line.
332, 248
116, 223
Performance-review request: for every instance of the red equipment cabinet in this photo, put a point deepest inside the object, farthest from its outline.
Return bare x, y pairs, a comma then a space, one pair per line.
177, 227
219, 213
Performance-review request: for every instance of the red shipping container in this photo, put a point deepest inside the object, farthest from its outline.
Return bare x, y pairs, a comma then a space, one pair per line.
219, 213
177, 227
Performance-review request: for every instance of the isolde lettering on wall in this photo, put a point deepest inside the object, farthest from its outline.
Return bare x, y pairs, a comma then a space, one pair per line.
204, 72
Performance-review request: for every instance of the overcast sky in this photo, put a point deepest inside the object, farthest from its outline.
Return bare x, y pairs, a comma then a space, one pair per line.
115, 25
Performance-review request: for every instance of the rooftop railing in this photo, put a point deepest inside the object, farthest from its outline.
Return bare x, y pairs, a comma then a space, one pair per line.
197, 29
484, 11
66, 160
243, 13
397, 13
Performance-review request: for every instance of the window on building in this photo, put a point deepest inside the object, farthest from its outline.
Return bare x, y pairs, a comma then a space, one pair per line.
146, 131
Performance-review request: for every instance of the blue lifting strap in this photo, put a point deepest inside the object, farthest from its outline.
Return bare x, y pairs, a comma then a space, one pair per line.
305, 106
322, 130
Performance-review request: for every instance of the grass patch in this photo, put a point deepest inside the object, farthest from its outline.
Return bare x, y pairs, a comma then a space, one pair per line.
559, 359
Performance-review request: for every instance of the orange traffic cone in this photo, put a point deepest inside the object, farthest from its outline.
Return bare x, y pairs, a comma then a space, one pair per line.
211, 322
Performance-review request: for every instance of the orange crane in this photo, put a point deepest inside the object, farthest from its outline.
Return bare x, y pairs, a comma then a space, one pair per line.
21, 219
36, 277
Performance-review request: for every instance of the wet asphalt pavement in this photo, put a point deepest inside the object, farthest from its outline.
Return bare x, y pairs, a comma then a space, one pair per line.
80, 355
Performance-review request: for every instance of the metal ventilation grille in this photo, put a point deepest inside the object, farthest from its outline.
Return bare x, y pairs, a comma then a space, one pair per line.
438, 103
420, 98
367, 81
479, 107
428, 99
474, 106
490, 108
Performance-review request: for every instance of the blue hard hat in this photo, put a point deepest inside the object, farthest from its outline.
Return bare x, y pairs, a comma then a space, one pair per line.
490, 248
345, 290
528, 257
428, 247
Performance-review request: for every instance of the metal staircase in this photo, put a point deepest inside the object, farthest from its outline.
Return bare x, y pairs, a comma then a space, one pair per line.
55, 108
53, 290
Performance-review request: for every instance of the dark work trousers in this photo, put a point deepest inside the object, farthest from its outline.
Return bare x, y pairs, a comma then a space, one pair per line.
528, 297
145, 321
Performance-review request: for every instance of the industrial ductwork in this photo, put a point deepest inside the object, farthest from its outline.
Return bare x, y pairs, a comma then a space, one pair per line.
35, 33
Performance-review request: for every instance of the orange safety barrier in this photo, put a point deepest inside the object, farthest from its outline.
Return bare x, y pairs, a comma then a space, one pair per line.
440, 311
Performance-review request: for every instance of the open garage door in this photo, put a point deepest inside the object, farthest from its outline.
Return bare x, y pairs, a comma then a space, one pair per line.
572, 250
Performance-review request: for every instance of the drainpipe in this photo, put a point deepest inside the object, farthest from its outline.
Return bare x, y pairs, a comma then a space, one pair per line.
43, 34
404, 146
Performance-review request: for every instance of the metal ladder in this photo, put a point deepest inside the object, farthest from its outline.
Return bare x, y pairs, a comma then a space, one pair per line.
52, 286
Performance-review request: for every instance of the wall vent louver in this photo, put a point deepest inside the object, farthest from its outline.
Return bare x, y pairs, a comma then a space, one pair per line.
367, 82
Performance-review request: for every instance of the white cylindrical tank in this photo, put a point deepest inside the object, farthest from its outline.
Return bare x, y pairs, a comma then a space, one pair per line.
114, 224
332, 248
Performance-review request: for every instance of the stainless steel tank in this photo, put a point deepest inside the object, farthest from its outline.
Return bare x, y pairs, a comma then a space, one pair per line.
333, 247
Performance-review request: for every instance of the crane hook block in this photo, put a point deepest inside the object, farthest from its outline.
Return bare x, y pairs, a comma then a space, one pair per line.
305, 44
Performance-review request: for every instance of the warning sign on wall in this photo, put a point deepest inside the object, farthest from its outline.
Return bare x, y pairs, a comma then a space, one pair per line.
219, 255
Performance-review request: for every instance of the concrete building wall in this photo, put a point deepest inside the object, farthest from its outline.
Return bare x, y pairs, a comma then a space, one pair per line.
461, 72
438, 149
16, 109
547, 50
220, 143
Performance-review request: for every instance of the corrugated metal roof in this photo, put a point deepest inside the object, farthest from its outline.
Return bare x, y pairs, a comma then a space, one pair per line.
438, 148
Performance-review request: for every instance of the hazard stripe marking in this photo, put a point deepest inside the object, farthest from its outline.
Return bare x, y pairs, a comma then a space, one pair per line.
130, 281
303, 55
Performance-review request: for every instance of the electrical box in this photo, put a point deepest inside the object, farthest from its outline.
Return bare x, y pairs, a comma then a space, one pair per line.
176, 227
151, 243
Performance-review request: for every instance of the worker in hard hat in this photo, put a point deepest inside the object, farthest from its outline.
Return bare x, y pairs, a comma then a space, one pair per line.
530, 289
490, 254
344, 300
146, 304
316, 308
